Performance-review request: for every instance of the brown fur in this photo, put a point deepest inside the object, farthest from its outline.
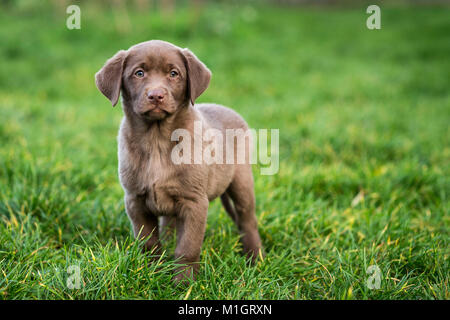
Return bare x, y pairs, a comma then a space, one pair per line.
154, 105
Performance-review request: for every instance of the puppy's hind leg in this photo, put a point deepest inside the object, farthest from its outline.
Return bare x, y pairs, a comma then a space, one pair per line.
243, 211
167, 227
229, 207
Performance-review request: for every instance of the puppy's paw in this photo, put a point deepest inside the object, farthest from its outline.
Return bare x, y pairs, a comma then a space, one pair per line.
255, 255
184, 276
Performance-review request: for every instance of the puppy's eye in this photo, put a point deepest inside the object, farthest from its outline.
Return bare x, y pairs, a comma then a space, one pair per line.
139, 73
173, 73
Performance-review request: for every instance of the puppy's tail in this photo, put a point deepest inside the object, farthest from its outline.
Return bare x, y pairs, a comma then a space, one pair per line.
229, 207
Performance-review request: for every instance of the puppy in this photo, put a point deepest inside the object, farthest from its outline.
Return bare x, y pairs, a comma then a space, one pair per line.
159, 83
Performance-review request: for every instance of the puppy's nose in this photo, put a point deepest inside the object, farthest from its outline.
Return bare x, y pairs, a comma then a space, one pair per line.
156, 95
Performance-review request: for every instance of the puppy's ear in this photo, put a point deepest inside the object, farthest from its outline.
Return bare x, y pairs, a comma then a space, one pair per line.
197, 73
109, 79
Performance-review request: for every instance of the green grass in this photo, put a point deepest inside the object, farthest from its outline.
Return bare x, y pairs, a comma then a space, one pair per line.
360, 112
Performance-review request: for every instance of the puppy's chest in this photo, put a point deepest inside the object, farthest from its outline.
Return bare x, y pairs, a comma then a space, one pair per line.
149, 174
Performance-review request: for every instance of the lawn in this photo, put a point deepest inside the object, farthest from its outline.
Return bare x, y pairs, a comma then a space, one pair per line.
364, 152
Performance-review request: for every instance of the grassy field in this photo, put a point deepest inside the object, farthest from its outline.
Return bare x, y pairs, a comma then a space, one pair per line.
364, 152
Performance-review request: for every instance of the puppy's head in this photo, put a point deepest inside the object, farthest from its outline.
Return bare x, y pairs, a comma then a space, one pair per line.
156, 79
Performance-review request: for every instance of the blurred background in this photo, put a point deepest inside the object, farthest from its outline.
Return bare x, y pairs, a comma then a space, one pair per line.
364, 136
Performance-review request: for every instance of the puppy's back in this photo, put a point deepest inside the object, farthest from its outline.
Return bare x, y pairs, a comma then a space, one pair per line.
221, 117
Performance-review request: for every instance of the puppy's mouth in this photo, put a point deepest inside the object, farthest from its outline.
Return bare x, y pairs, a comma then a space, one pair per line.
156, 112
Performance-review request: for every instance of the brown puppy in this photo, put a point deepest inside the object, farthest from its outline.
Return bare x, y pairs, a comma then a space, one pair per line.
159, 84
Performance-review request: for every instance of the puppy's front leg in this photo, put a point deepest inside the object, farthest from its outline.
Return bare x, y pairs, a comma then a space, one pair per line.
190, 226
144, 222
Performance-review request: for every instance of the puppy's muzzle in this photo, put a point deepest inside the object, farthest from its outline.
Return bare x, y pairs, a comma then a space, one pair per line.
156, 96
